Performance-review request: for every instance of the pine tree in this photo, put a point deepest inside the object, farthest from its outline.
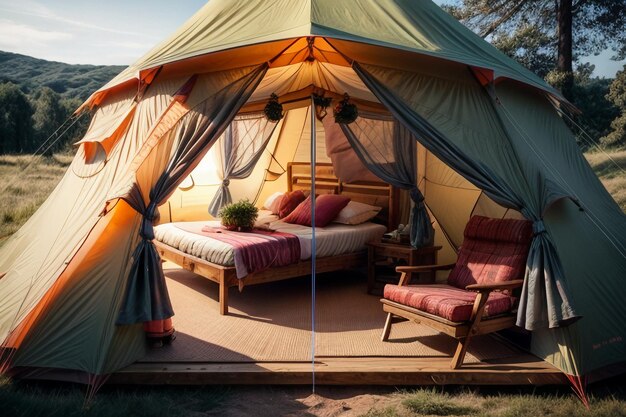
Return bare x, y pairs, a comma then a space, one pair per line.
548, 33
617, 95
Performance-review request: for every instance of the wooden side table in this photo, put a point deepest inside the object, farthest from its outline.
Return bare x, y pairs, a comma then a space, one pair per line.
383, 257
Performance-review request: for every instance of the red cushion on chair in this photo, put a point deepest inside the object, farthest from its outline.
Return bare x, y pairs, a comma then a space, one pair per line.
494, 250
445, 301
501, 230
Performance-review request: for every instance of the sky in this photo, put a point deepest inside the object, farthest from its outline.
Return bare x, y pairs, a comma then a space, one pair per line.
115, 32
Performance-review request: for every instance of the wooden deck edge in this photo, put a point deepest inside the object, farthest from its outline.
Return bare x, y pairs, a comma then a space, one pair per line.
341, 371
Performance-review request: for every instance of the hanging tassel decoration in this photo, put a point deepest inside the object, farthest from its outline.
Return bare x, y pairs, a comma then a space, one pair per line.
273, 109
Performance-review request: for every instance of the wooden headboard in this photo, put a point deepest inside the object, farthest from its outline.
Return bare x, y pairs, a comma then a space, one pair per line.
374, 193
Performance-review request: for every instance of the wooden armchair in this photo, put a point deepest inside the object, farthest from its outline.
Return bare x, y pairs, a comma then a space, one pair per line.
477, 298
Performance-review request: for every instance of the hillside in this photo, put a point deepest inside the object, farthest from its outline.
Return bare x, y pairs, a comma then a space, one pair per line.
70, 81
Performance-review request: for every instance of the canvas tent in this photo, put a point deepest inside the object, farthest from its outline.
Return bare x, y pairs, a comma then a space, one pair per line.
81, 275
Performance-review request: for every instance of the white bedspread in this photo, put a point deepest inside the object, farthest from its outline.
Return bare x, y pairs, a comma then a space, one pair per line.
332, 240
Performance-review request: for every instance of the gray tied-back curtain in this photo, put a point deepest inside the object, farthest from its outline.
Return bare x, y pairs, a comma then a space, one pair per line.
388, 149
146, 296
241, 146
544, 301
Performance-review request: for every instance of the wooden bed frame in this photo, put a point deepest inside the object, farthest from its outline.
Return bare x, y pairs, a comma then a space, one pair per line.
299, 177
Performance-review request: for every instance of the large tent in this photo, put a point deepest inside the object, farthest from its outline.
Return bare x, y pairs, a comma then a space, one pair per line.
82, 275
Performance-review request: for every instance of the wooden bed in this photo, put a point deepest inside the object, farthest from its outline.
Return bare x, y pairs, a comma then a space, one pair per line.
299, 177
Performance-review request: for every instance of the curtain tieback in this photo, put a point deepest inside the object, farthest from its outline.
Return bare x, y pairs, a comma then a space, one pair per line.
225, 182
539, 227
416, 195
149, 217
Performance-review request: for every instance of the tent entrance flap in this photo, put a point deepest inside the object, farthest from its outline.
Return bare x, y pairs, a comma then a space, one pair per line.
146, 294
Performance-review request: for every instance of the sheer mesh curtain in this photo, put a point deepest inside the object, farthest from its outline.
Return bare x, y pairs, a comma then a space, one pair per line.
388, 150
240, 148
146, 297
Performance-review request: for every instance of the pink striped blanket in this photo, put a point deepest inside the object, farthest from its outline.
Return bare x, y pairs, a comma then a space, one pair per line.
254, 251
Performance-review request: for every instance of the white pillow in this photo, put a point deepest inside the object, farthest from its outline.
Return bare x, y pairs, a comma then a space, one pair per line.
264, 218
272, 202
357, 213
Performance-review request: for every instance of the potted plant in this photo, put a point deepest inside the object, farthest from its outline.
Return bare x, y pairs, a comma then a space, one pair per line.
345, 112
273, 109
239, 216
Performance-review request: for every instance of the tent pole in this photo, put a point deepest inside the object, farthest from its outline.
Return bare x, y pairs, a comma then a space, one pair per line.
313, 243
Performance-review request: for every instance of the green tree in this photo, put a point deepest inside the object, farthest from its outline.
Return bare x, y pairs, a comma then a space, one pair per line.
617, 96
589, 95
47, 118
530, 47
558, 32
15, 119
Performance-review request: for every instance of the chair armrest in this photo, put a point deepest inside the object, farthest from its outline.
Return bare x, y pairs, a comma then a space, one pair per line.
507, 285
424, 268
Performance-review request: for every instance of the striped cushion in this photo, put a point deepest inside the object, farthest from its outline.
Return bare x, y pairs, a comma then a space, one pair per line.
445, 301
501, 230
494, 250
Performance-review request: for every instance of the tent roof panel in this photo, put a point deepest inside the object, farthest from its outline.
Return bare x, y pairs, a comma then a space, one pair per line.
415, 26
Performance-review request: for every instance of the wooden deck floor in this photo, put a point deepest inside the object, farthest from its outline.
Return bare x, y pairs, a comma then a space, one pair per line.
275, 320
522, 370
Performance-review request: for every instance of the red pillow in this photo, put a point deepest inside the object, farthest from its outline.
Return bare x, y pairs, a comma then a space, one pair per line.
289, 202
327, 207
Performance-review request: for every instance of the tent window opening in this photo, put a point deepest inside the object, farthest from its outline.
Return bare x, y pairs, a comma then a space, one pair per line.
238, 151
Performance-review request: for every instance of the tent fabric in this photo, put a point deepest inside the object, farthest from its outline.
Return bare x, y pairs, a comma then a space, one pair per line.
589, 236
544, 267
413, 26
329, 77
105, 127
146, 295
241, 146
61, 260
346, 164
396, 164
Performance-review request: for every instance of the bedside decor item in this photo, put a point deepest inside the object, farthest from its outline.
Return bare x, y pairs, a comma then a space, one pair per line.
345, 112
273, 109
239, 216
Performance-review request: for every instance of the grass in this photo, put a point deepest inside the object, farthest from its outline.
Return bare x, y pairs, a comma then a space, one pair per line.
22, 399
611, 169
430, 402
386, 412
606, 400
68, 400
22, 190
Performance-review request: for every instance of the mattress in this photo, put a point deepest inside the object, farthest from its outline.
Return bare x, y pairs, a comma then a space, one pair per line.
334, 239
